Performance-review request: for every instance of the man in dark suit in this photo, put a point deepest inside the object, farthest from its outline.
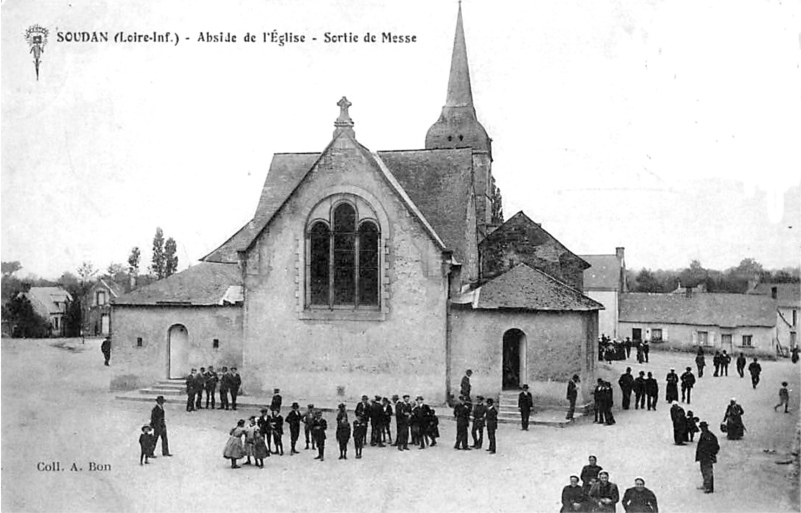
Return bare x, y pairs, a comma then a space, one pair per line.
225, 385
265, 426
639, 391
706, 454
492, 424
572, 395
294, 418
159, 427
626, 383
319, 425
211, 386
479, 413
687, 383
363, 411
525, 403
376, 419
403, 412
651, 391
462, 413
755, 369
200, 386
190, 391
277, 400
105, 348
464, 387
236, 384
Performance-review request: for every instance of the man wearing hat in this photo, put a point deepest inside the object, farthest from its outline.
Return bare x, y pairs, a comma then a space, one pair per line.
706, 455
672, 388
236, 384
159, 427
492, 424
308, 420
479, 417
687, 383
376, 417
294, 418
403, 412
225, 384
525, 403
462, 413
277, 400
266, 429
363, 411
190, 391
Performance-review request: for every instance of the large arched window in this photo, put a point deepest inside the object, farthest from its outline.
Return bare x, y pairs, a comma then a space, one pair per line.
343, 262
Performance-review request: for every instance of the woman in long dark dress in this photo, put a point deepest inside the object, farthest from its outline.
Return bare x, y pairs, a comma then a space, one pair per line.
734, 420
234, 449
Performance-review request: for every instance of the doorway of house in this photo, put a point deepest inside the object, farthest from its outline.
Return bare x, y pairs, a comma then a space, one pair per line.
514, 359
177, 351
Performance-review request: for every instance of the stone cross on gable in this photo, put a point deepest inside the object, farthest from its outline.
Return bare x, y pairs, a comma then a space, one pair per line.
344, 117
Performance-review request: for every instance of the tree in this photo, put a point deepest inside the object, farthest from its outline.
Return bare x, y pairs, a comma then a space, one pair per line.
133, 262
693, 275
170, 258
647, 282
86, 271
158, 264
10, 268
25, 322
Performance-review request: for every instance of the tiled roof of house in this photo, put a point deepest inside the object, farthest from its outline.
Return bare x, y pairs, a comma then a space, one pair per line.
787, 294
724, 310
523, 287
440, 184
604, 273
52, 299
203, 284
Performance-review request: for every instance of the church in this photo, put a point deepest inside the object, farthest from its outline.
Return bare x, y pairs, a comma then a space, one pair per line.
375, 272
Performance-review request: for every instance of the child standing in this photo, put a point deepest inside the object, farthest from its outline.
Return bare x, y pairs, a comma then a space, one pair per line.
784, 398
259, 448
250, 439
233, 448
692, 426
277, 429
359, 431
145, 444
343, 432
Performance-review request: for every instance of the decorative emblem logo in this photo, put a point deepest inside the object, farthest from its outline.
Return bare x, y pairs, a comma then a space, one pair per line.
36, 38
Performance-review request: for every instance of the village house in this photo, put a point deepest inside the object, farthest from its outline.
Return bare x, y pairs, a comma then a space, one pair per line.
50, 303
787, 297
97, 306
366, 272
605, 281
734, 322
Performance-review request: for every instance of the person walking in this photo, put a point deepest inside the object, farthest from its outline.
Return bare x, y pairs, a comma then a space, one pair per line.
639, 499
646, 348
159, 426
672, 388
639, 391
734, 420
741, 362
105, 348
706, 453
725, 360
626, 383
572, 395
679, 419
687, 383
755, 369
651, 391
700, 362
525, 403
784, 398
717, 361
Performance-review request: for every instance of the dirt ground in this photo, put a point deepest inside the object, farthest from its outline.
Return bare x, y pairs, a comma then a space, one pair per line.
56, 407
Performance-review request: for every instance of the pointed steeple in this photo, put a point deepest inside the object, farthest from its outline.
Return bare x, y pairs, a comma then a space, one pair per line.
458, 126
459, 92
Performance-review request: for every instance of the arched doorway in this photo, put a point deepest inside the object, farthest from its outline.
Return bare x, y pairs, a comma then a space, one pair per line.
177, 351
514, 359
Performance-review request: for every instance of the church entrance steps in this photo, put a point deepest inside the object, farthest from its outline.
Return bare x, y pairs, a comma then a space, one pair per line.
548, 415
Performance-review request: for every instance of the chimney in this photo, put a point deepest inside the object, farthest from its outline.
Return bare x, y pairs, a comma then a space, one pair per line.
620, 253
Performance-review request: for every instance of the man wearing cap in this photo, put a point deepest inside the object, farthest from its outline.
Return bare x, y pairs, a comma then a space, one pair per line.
190, 390
572, 395
706, 454
679, 419
492, 424
672, 388
525, 403
275, 404
479, 417
462, 413
755, 369
464, 387
687, 383
294, 418
639, 499
604, 493
159, 427
236, 383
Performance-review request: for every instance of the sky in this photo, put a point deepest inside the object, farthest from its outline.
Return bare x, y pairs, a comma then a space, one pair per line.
668, 128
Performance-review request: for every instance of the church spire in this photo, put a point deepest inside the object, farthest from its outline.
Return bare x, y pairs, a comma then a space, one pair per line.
459, 91
458, 126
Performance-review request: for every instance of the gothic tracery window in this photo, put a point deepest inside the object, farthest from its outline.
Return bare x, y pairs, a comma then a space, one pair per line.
343, 265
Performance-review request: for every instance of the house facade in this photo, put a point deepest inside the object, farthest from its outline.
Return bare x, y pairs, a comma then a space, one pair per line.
734, 322
787, 297
51, 304
97, 307
367, 272
605, 281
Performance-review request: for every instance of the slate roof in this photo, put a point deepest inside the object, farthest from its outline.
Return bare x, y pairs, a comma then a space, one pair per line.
787, 294
203, 284
440, 183
49, 299
724, 310
604, 273
523, 287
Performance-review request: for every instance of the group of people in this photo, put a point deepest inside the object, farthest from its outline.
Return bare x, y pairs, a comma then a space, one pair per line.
206, 381
612, 349
151, 433
597, 493
721, 361
252, 439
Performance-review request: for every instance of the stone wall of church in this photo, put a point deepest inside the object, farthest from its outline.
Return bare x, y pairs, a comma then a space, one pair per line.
333, 355
137, 366
557, 345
